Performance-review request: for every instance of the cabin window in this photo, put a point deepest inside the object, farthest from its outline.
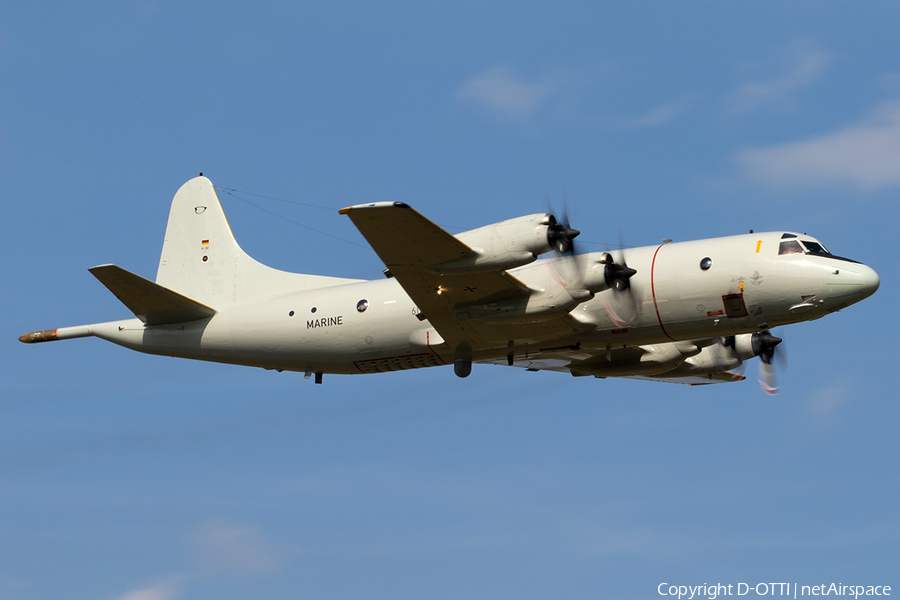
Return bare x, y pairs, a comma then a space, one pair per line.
706, 263
362, 305
790, 247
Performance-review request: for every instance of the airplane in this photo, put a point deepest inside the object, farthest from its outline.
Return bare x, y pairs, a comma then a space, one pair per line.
688, 312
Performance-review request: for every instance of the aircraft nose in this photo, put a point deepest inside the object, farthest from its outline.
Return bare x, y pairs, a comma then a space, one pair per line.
869, 280
850, 284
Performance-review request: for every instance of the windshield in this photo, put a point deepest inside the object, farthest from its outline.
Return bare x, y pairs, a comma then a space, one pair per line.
815, 248
790, 247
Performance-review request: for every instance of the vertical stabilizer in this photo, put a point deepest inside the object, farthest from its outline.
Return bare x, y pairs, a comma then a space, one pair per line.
202, 260
199, 248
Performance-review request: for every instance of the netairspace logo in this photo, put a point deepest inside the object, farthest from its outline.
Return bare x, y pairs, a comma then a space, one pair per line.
713, 591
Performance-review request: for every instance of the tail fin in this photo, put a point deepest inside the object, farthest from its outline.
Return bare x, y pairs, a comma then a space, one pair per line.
202, 260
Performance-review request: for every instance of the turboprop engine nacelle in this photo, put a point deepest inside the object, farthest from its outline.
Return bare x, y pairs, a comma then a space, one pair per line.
556, 287
727, 353
510, 244
540, 305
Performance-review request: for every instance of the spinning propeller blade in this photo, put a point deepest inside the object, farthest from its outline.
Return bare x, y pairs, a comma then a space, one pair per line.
622, 305
762, 344
561, 235
765, 344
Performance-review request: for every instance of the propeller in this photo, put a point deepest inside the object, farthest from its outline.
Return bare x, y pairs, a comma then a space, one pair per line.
732, 350
617, 275
765, 345
576, 273
560, 235
623, 307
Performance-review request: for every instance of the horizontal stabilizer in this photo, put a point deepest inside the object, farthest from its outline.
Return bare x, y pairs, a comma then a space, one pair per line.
150, 302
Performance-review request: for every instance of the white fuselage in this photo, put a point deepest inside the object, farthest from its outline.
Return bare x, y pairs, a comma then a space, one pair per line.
748, 287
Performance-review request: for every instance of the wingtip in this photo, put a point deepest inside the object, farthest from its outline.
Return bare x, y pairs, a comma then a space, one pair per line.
344, 211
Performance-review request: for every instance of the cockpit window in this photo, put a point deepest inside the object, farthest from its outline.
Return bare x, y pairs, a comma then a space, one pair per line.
790, 247
793, 246
816, 248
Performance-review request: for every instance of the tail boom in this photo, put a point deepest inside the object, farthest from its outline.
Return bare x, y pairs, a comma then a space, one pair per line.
51, 335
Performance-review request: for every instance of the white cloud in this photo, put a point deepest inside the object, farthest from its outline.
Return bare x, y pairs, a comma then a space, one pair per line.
804, 65
221, 549
243, 550
501, 92
161, 591
864, 155
825, 400
661, 114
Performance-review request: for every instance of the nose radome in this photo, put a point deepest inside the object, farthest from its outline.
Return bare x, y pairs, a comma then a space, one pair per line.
851, 284
869, 280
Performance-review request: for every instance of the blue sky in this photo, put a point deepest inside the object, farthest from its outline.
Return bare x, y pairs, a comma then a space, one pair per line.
132, 477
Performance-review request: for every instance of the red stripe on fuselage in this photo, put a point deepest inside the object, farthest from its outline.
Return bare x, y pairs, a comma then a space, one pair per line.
653, 293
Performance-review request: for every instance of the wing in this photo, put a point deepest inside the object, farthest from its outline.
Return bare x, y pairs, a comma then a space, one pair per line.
687, 363
410, 246
709, 378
